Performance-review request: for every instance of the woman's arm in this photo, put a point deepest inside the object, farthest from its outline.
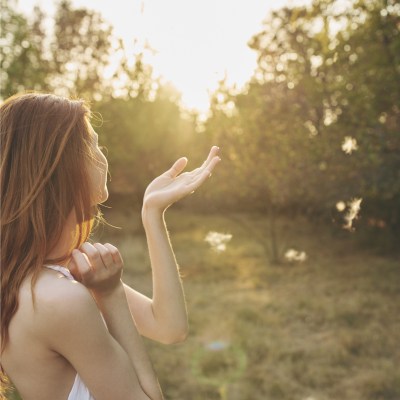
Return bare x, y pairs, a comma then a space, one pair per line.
99, 268
168, 303
69, 321
164, 318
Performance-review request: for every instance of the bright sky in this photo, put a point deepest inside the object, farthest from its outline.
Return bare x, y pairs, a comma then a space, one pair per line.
196, 43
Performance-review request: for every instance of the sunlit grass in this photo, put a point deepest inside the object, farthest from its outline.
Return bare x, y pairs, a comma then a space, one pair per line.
323, 329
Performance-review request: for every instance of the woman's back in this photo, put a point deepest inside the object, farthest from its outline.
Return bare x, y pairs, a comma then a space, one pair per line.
46, 374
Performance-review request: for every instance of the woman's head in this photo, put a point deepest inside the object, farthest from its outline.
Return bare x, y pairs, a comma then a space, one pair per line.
51, 167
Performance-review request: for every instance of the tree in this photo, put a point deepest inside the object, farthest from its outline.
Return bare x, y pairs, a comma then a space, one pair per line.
323, 74
144, 135
22, 61
80, 51
337, 71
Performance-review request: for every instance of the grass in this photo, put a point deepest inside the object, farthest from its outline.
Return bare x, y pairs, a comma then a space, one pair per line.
324, 329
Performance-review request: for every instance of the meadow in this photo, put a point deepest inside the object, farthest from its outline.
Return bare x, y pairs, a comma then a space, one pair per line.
315, 128
326, 328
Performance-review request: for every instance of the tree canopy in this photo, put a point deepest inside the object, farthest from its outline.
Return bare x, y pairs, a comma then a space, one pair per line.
317, 124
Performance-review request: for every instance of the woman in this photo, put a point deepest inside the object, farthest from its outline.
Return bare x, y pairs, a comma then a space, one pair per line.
70, 328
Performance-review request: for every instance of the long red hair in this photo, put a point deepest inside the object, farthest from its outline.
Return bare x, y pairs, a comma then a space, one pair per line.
45, 152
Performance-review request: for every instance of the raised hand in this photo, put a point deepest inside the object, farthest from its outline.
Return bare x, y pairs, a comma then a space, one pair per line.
173, 185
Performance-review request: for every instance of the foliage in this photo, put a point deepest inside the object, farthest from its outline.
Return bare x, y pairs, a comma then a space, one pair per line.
22, 46
80, 51
134, 143
328, 73
323, 74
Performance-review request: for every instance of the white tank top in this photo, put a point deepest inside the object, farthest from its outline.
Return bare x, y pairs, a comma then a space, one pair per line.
79, 390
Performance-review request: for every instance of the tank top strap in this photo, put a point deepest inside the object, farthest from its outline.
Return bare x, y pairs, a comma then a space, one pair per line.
79, 390
62, 270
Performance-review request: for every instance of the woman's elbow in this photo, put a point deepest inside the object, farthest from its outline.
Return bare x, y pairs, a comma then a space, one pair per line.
176, 336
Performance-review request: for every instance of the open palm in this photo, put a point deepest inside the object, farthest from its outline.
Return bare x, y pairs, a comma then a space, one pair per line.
173, 185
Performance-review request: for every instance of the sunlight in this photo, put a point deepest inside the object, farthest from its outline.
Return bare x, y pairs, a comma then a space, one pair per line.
340, 206
193, 45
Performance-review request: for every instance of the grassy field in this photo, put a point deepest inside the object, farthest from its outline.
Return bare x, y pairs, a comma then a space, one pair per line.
324, 329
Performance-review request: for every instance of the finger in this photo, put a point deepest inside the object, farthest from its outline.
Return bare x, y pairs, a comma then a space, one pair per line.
213, 152
105, 255
93, 255
210, 167
81, 263
206, 164
177, 168
116, 255
74, 270
206, 173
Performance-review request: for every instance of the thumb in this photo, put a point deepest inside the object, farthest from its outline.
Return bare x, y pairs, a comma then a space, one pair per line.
178, 167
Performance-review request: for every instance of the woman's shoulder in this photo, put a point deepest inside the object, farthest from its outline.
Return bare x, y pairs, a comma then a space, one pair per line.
53, 287
56, 298
61, 291
65, 310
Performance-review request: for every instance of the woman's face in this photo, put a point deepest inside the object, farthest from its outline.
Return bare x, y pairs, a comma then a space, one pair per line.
98, 172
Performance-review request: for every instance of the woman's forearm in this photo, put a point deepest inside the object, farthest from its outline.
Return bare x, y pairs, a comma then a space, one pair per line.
122, 327
168, 303
167, 308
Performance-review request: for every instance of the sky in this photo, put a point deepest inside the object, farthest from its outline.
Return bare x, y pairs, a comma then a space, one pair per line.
194, 44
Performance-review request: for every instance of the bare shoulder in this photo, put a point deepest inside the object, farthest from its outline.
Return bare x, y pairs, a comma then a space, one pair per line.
55, 291
60, 303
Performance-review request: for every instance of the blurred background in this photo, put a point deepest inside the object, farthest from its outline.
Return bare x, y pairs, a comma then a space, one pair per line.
290, 252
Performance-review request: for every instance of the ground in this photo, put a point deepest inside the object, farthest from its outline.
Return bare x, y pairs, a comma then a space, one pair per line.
323, 329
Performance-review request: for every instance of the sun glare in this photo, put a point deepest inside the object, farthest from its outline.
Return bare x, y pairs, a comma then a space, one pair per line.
193, 45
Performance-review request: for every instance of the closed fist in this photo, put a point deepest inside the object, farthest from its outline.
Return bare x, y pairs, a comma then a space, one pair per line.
98, 267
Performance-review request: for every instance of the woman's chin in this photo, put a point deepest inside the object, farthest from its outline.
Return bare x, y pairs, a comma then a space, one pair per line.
102, 197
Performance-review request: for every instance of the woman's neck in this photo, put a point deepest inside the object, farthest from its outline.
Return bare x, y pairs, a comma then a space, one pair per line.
63, 246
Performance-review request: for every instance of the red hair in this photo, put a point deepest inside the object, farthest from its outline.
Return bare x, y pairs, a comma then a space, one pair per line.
45, 152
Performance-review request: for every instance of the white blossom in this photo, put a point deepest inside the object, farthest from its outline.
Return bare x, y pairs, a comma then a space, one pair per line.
218, 240
352, 213
349, 145
292, 255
